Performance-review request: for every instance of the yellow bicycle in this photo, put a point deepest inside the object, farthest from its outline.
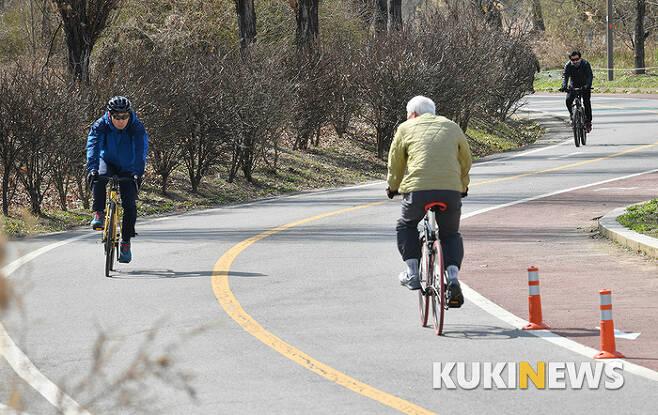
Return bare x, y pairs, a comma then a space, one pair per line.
111, 227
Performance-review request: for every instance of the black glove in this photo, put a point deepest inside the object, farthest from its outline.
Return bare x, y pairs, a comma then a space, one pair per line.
391, 193
92, 176
563, 89
465, 193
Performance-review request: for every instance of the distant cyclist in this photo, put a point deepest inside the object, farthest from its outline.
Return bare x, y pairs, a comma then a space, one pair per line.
434, 151
117, 144
578, 74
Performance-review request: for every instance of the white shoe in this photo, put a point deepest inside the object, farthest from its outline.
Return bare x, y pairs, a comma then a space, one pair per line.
410, 281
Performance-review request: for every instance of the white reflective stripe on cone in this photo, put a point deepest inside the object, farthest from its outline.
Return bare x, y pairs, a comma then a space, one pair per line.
533, 275
533, 289
606, 315
606, 299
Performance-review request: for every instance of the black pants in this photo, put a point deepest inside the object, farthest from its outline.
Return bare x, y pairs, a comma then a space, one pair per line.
587, 103
128, 198
413, 211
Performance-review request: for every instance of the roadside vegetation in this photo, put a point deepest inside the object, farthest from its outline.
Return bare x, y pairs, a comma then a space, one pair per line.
642, 218
234, 114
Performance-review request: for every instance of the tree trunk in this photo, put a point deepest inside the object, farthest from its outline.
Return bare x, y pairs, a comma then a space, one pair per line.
381, 15
639, 36
83, 190
395, 14
307, 25
537, 17
77, 55
83, 22
247, 22
5, 191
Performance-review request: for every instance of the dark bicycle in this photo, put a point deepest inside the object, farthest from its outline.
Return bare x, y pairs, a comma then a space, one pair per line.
111, 228
578, 123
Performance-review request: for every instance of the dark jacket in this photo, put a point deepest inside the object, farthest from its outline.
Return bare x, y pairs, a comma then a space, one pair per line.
125, 149
577, 77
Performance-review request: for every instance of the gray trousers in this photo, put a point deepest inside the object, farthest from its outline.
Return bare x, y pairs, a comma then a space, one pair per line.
413, 211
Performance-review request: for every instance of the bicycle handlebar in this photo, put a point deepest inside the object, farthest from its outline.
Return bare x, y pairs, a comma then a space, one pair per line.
119, 179
392, 193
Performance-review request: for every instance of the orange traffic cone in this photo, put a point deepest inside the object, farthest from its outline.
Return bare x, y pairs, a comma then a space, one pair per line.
608, 348
534, 301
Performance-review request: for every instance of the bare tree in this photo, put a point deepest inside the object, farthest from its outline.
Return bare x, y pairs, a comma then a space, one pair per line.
395, 14
10, 116
390, 74
306, 14
381, 15
37, 148
491, 10
83, 22
246, 22
640, 36
537, 17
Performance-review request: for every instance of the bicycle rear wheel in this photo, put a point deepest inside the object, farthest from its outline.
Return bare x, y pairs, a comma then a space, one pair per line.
110, 241
438, 289
425, 272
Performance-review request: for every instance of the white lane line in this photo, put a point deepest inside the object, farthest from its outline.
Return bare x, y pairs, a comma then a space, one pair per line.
525, 153
21, 363
620, 334
565, 155
602, 189
517, 322
570, 154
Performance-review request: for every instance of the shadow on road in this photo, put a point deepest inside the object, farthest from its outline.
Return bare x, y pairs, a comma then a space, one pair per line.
470, 332
164, 274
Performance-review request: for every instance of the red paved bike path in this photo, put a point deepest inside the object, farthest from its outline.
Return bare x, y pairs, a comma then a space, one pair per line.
558, 235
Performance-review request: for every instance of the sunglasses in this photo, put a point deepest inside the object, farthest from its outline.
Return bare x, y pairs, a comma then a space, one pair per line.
120, 117
575, 59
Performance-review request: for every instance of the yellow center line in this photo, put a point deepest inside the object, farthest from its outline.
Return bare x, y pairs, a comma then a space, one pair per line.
223, 293
232, 306
580, 163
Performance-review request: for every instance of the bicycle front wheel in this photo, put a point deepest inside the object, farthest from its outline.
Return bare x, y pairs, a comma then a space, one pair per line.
110, 241
583, 129
576, 134
438, 289
425, 272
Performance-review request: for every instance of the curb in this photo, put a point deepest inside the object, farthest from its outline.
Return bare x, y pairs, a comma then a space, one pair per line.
613, 230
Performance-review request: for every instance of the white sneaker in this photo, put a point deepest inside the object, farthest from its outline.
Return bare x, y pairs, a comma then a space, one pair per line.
410, 281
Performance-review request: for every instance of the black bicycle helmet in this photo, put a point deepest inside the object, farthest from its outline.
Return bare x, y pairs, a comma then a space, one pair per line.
118, 104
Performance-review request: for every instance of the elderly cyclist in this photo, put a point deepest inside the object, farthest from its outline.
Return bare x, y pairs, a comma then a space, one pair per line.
434, 151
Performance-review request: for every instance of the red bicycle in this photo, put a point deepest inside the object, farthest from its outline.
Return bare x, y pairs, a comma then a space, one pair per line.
432, 270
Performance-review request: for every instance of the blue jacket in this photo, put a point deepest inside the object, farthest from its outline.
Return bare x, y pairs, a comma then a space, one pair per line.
125, 149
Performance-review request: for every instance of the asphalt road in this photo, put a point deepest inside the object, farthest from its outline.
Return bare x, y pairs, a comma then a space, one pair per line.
309, 317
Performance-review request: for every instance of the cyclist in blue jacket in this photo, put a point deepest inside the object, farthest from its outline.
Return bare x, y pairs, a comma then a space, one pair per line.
117, 144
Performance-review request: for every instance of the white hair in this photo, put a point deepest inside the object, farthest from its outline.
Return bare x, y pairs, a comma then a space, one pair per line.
420, 105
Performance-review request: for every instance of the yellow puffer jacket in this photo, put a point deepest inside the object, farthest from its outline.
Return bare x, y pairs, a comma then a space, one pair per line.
435, 152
